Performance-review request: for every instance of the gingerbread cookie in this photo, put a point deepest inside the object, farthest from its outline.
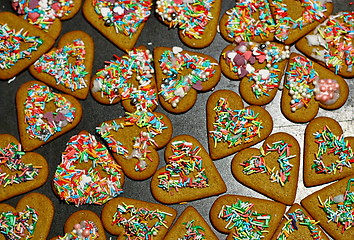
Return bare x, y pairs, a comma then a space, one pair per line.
196, 21
87, 173
44, 115
22, 44
246, 217
131, 218
260, 67
20, 172
331, 44
309, 86
120, 21
181, 74
328, 155
332, 206
134, 139
31, 219
129, 79
232, 127
68, 67
276, 165
190, 173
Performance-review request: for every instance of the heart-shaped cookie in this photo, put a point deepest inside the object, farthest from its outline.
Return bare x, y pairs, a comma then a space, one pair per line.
44, 115
190, 173
309, 86
197, 21
181, 74
246, 217
87, 173
20, 47
231, 127
333, 206
133, 141
121, 216
328, 155
31, 219
276, 165
20, 172
67, 67
129, 79
120, 21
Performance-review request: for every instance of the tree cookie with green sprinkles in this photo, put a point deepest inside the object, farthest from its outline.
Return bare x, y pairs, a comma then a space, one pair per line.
328, 155
233, 127
189, 174
246, 217
276, 165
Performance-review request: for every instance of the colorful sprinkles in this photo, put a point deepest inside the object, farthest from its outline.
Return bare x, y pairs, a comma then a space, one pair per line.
193, 232
81, 186
85, 230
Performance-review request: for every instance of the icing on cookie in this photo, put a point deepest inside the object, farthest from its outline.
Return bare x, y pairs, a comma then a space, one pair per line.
191, 16
10, 158
173, 64
257, 164
193, 232
327, 91
184, 168
85, 230
58, 64
11, 46
125, 16
331, 144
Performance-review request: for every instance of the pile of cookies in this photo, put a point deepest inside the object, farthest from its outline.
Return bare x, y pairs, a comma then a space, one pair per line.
248, 102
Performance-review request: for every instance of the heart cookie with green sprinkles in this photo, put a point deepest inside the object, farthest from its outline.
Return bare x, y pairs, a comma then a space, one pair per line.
189, 174
20, 172
232, 127
276, 165
328, 155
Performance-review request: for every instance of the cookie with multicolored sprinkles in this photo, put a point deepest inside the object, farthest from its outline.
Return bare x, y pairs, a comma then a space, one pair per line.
131, 218
246, 217
331, 44
189, 174
67, 67
328, 155
120, 21
44, 115
181, 75
20, 172
197, 21
233, 127
22, 44
332, 207
276, 165
309, 86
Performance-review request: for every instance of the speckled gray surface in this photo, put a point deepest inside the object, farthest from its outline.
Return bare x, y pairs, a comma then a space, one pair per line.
192, 122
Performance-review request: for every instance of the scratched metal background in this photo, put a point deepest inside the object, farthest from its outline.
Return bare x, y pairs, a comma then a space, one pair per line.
192, 122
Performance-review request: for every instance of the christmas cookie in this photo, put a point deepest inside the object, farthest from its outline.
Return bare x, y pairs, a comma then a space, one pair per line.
31, 219
332, 206
68, 67
260, 67
232, 127
275, 165
131, 218
120, 21
190, 173
181, 75
22, 44
246, 217
20, 172
196, 20
331, 44
328, 155
134, 139
44, 115
309, 86
190, 224
129, 79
